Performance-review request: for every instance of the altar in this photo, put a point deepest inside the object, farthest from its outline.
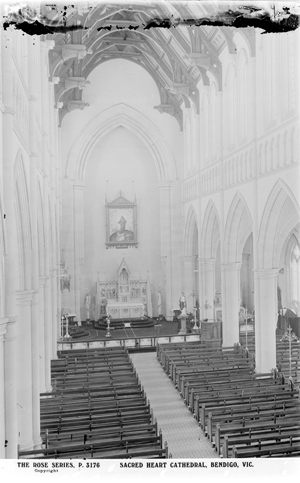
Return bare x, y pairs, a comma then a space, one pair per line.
130, 310
124, 298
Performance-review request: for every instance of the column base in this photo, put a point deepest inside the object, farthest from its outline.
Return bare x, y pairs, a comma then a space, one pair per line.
37, 444
29, 445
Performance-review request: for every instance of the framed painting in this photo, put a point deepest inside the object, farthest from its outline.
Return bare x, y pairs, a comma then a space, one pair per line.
121, 226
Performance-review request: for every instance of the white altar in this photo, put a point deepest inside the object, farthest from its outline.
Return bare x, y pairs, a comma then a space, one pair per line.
130, 310
124, 298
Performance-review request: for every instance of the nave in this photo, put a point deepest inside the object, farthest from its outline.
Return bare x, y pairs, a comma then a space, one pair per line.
141, 170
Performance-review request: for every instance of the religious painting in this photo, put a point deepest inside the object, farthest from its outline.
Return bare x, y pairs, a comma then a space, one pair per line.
121, 223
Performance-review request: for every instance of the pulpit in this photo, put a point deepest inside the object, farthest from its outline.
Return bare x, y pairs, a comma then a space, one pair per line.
211, 333
124, 298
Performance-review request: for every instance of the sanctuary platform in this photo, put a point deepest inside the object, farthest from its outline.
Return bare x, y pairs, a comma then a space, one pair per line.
130, 335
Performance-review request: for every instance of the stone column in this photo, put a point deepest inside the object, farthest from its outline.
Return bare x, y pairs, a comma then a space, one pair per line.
189, 285
265, 295
42, 334
35, 325
230, 281
78, 190
35, 322
24, 371
48, 333
54, 313
165, 242
208, 290
11, 255
3, 324
10, 378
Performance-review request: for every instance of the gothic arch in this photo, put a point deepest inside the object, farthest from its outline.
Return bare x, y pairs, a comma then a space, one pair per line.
281, 215
237, 230
24, 235
210, 232
191, 226
106, 121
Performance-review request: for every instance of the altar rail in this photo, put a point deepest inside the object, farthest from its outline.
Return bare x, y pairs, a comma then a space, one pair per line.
131, 343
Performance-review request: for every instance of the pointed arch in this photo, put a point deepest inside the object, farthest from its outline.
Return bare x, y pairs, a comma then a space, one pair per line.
237, 229
210, 232
281, 215
191, 229
134, 121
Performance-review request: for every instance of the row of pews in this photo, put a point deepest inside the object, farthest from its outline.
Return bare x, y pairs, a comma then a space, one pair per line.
243, 414
287, 355
97, 409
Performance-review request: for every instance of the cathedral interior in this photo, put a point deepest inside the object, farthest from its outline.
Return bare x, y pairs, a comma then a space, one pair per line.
149, 201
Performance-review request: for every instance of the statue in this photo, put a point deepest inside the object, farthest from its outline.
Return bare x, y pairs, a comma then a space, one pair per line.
159, 302
87, 302
182, 301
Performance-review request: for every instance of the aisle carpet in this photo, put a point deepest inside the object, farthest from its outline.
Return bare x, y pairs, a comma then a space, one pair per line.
179, 428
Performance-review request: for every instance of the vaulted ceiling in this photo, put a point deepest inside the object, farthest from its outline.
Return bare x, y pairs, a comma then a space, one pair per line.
176, 58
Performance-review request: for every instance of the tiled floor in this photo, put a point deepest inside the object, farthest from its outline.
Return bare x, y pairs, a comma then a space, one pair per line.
179, 428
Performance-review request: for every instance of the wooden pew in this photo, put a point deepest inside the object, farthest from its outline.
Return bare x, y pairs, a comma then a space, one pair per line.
98, 409
52, 437
287, 448
264, 437
246, 427
100, 449
272, 415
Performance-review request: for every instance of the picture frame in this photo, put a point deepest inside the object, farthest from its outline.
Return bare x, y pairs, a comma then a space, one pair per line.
121, 223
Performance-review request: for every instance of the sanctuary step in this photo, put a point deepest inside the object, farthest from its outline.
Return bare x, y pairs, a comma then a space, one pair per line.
122, 323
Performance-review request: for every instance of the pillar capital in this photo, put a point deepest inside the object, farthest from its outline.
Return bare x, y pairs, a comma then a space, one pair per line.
10, 334
266, 272
164, 185
231, 266
3, 326
78, 183
208, 264
42, 281
24, 297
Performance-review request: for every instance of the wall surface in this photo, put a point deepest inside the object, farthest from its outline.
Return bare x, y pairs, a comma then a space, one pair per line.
121, 162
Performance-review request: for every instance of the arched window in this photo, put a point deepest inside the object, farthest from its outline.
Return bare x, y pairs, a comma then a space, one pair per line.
295, 273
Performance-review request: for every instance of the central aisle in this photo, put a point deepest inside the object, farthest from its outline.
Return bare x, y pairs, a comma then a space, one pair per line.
178, 426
